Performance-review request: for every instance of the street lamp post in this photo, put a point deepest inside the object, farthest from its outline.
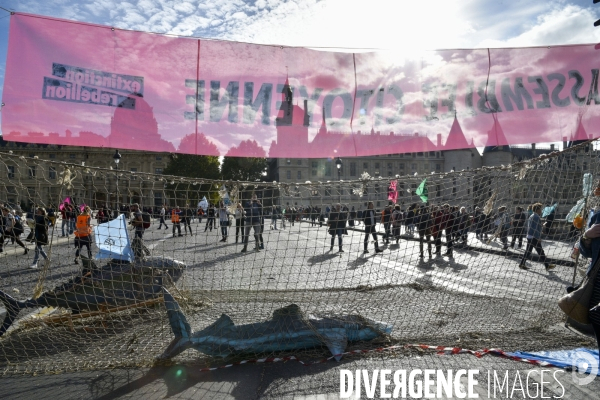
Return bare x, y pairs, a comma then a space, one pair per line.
117, 158
338, 165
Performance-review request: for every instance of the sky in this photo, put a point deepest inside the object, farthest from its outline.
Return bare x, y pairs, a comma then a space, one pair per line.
344, 25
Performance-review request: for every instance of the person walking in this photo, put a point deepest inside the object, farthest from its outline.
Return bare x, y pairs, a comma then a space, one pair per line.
369, 219
239, 222
253, 212
518, 223
83, 233
41, 236
162, 218
176, 220
534, 234
336, 225
11, 228
223, 221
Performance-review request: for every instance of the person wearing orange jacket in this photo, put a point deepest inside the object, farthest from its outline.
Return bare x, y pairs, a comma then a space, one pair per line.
83, 233
176, 220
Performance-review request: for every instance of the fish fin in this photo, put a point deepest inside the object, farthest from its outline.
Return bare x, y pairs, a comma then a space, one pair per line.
336, 341
292, 311
12, 310
179, 325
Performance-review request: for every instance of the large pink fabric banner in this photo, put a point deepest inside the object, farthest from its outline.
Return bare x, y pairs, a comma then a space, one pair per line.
88, 85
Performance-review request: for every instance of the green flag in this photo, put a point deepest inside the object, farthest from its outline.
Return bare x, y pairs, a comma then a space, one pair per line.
422, 191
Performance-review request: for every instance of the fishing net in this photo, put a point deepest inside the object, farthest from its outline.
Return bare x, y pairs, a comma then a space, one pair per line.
114, 313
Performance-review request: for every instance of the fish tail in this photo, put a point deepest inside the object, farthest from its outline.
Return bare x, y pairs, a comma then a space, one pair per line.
12, 310
179, 325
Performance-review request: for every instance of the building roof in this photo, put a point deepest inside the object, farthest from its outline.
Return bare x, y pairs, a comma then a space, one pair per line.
456, 137
496, 139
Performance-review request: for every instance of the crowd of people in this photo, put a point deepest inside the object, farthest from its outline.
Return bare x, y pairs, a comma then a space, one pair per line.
430, 223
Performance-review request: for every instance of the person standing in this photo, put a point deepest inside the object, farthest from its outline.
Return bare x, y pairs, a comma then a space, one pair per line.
71, 216
162, 218
210, 218
253, 212
176, 220
369, 219
137, 220
447, 224
64, 220
478, 222
239, 222
423, 221
41, 236
188, 215
274, 218
51, 214
518, 223
397, 222
386, 220
534, 234
223, 220
83, 233
503, 221
336, 225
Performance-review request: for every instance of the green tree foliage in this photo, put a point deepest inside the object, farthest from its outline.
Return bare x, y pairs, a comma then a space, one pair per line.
245, 162
192, 166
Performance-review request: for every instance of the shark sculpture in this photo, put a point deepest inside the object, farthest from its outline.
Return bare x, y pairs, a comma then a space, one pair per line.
118, 283
289, 329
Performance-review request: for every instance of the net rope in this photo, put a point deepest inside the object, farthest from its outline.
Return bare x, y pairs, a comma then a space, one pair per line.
106, 314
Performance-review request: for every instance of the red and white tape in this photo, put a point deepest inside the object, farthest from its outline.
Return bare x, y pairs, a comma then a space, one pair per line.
440, 350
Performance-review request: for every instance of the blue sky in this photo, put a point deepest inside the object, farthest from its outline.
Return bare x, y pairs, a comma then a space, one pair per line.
342, 24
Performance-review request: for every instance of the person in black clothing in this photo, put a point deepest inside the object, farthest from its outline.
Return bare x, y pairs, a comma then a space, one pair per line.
254, 215
188, 214
41, 236
448, 221
239, 222
410, 219
386, 218
518, 223
337, 224
423, 222
210, 218
370, 219
549, 222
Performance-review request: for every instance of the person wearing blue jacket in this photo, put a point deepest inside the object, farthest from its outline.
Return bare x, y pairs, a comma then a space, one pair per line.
534, 234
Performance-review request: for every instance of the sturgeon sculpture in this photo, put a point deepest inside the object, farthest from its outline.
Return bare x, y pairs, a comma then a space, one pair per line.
118, 283
289, 329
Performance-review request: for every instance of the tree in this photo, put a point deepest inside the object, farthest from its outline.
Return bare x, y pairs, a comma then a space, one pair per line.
190, 143
191, 166
246, 162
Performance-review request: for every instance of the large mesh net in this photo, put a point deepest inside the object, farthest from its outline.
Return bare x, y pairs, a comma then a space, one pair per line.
429, 270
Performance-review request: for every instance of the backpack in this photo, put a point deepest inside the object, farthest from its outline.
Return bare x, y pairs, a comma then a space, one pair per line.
147, 220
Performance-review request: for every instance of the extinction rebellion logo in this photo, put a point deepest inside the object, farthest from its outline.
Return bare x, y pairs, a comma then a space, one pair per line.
80, 85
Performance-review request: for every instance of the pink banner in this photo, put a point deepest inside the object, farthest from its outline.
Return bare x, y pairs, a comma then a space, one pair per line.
87, 85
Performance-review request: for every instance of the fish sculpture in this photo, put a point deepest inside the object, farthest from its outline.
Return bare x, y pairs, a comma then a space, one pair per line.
118, 283
289, 329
